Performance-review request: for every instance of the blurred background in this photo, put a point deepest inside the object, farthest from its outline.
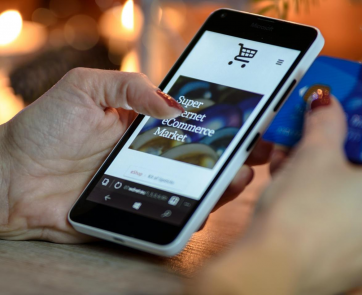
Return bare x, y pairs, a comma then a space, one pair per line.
40, 40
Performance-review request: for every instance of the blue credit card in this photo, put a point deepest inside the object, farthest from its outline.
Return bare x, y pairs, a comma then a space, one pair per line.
343, 79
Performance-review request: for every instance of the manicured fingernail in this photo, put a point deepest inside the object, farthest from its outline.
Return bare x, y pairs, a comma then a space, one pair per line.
170, 101
320, 98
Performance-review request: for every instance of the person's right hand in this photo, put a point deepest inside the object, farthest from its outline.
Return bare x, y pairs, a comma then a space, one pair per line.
306, 237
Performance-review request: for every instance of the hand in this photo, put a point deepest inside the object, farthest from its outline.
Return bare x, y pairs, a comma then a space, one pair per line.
306, 236
50, 151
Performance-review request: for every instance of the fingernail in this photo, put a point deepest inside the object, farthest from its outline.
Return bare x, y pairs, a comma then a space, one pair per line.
170, 101
320, 98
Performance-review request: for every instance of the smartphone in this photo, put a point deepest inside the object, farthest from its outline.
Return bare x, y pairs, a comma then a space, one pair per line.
163, 178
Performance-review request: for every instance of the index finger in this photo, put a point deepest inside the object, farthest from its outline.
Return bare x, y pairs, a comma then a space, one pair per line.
130, 91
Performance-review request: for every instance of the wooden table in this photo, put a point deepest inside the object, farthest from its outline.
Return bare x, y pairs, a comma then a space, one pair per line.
106, 268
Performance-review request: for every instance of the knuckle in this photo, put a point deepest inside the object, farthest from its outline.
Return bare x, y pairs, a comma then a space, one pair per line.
133, 86
76, 72
142, 76
75, 75
129, 78
137, 76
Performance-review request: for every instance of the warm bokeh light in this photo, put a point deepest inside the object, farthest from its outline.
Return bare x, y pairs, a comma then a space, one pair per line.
121, 25
10, 104
44, 16
173, 18
33, 36
11, 23
127, 16
130, 62
159, 14
81, 32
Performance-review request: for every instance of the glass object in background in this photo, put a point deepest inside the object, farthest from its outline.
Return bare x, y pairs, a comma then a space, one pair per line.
169, 27
121, 26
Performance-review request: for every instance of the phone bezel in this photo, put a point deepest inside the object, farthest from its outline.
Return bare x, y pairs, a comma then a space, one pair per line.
104, 217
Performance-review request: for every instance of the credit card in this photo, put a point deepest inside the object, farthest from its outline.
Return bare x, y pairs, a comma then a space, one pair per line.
343, 79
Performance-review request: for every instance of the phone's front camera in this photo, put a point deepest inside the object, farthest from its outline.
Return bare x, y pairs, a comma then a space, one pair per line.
223, 15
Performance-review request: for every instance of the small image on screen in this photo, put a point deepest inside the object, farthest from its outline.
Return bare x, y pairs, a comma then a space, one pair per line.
213, 115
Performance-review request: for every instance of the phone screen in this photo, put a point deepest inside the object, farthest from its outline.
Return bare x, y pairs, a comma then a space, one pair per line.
165, 166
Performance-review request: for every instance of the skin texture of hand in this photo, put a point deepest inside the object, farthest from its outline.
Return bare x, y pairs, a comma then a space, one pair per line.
306, 236
50, 151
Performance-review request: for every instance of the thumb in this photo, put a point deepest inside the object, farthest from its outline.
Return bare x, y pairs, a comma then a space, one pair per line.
130, 91
325, 123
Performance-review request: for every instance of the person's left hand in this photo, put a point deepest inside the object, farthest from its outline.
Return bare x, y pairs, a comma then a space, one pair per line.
50, 151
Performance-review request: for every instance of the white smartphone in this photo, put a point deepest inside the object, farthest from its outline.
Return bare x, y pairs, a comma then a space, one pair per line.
163, 178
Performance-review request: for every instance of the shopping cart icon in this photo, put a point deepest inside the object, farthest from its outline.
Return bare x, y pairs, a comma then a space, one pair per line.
244, 53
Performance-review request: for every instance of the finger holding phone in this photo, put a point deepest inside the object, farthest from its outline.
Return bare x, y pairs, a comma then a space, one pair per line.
306, 235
